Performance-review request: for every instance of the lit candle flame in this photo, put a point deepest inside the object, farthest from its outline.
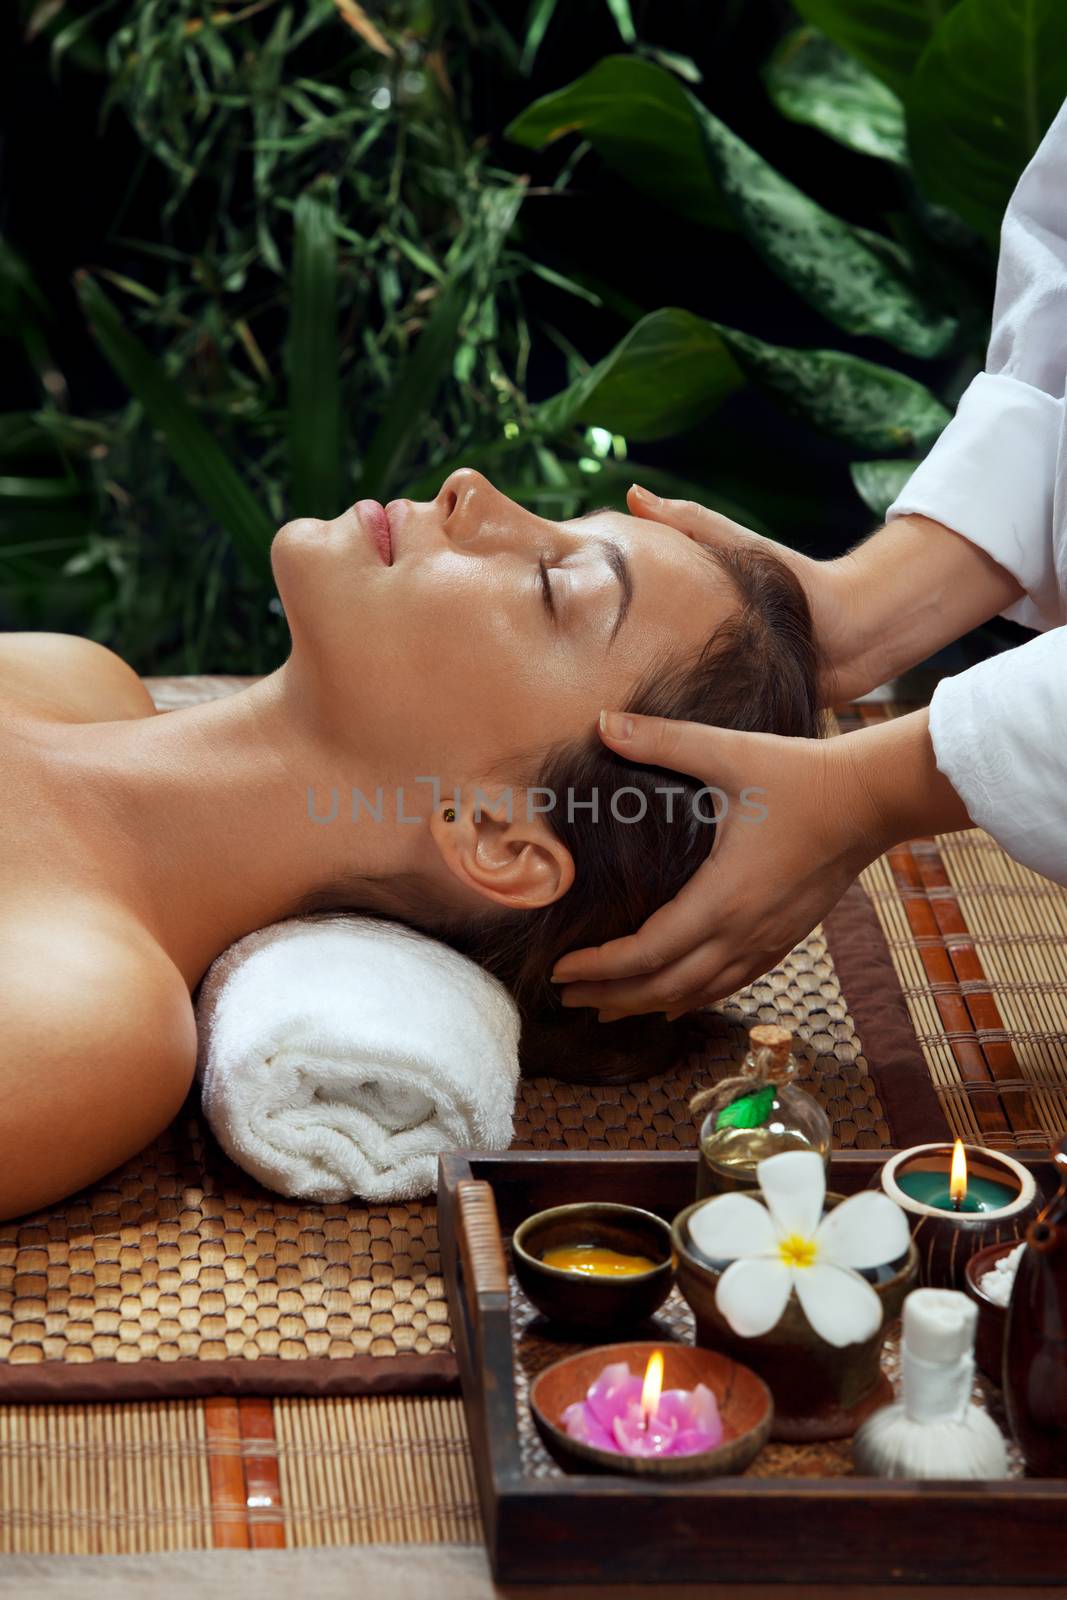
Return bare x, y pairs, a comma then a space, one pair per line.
653, 1386
957, 1181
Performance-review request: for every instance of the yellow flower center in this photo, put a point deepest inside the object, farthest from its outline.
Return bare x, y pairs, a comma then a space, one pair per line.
796, 1251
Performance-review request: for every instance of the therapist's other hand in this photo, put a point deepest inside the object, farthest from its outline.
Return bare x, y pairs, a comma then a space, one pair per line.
827, 584
771, 876
832, 806
874, 616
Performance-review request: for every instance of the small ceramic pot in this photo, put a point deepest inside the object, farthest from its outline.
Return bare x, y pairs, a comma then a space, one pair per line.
821, 1391
946, 1240
586, 1300
992, 1319
745, 1408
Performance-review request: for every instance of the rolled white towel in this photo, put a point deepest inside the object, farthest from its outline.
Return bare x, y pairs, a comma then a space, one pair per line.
339, 1056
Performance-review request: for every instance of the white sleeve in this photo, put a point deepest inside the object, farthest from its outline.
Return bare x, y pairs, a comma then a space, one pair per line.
998, 473
998, 476
999, 733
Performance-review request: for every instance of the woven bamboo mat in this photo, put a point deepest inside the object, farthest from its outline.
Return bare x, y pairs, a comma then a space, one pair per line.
979, 946
178, 1275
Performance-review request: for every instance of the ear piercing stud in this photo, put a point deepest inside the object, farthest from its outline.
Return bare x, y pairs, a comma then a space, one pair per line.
450, 814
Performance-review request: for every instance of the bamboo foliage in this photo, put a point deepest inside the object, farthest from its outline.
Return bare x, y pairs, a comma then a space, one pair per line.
199, 457
314, 356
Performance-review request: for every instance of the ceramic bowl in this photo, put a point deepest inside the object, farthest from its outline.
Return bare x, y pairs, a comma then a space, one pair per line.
581, 1300
946, 1240
821, 1391
745, 1407
992, 1319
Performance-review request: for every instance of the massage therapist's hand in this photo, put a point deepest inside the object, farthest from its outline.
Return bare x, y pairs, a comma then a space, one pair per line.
827, 584
832, 806
909, 589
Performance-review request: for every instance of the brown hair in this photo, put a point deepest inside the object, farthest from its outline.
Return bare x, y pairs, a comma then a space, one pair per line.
758, 672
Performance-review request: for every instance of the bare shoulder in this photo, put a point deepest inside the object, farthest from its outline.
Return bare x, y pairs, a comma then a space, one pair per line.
97, 1050
66, 677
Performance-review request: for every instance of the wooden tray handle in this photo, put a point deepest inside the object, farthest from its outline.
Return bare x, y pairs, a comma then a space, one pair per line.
481, 1250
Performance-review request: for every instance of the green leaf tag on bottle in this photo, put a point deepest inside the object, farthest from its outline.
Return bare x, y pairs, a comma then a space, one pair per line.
748, 1111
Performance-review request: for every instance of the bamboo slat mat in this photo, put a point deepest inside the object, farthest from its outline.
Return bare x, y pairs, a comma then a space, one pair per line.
238, 1474
979, 945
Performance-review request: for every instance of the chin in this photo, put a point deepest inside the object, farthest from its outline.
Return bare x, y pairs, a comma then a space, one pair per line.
297, 555
300, 533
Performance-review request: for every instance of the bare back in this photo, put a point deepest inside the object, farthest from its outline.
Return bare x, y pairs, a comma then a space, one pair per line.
98, 1043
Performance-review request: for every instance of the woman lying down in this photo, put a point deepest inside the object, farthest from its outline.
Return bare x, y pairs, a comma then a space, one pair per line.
449, 662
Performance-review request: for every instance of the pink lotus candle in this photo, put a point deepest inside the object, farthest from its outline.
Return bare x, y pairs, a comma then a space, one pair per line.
629, 1416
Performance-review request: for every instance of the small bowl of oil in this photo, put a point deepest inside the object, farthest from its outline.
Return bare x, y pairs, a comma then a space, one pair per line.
594, 1265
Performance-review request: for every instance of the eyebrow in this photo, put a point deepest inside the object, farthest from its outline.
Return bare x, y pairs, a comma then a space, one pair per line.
620, 568
619, 565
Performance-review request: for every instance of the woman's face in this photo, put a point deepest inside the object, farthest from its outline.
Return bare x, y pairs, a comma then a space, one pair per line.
447, 636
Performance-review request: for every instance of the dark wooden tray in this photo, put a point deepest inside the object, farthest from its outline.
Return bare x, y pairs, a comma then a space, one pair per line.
544, 1527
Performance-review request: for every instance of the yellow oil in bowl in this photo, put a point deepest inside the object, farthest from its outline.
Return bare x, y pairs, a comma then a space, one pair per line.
594, 1260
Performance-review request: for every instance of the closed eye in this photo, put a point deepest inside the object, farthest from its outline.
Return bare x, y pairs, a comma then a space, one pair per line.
546, 589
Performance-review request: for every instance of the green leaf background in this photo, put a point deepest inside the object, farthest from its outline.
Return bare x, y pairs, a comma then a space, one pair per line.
813, 80
349, 293
639, 119
987, 86
888, 36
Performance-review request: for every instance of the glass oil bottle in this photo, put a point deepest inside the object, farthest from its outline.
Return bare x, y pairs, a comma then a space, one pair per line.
757, 1114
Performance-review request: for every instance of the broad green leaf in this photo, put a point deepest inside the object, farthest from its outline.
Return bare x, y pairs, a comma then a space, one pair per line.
197, 455
413, 392
987, 87
748, 1110
879, 482
871, 407
888, 36
314, 357
640, 121
812, 80
668, 373
825, 260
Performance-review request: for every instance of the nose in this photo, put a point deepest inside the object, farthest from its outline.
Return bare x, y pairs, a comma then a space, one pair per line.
478, 516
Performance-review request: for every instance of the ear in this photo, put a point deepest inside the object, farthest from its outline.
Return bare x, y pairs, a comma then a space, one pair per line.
496, 848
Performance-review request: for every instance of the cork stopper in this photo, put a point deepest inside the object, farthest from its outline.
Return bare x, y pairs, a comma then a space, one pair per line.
776, 1041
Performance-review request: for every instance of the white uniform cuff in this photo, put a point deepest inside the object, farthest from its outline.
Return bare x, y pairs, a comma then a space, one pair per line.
997, 733
991, 477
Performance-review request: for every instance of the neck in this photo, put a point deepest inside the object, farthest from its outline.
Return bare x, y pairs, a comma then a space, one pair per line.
200, 821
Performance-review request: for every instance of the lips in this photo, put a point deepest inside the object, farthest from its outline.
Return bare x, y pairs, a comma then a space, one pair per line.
374, 520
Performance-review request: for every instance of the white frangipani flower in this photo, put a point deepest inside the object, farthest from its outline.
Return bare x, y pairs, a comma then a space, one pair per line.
788, 1244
